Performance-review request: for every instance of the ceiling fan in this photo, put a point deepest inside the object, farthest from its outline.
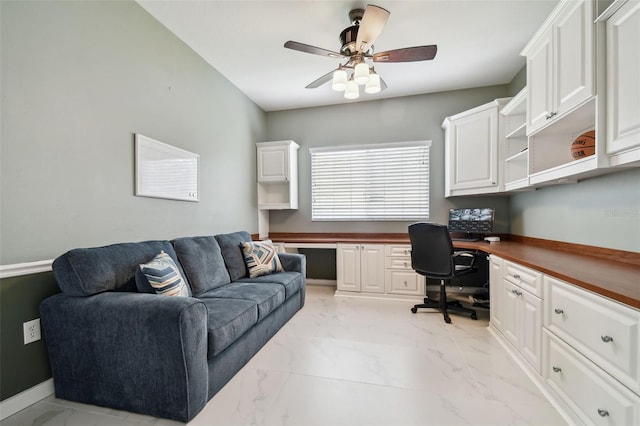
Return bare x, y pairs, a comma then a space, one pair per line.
357, 48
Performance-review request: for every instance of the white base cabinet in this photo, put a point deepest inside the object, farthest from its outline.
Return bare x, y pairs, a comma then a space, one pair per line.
518, 297
580, 348
360, 267
377, 270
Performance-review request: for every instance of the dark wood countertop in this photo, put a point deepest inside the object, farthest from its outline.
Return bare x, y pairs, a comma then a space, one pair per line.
611, 273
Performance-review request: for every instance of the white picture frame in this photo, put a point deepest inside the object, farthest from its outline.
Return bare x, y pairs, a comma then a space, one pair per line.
165, 171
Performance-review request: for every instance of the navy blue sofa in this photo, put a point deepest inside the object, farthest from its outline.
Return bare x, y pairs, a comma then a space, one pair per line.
113, 346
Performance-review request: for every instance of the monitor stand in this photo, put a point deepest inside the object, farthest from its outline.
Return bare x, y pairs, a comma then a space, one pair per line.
466, 237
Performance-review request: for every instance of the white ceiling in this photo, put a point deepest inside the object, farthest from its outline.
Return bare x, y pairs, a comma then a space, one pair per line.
479, 42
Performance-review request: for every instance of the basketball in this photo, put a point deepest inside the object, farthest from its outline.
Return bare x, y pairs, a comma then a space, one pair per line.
584, 145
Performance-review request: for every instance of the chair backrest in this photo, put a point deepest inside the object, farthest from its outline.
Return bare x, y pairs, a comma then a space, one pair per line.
431, 250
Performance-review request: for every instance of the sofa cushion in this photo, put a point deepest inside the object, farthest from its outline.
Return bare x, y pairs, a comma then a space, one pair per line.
88, 271
261, 258
161, 276
267, 296
231, 246
228, 319
203, 263
291, 281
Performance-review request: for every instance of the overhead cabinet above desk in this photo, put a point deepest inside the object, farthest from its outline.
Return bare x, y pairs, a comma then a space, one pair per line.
582, 76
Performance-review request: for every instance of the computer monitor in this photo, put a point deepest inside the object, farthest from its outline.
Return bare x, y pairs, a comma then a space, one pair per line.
471, 221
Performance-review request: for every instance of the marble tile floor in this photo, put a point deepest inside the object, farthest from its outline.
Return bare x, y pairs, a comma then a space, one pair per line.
348, 361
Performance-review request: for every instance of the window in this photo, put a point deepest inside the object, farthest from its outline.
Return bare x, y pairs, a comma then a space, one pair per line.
372, 182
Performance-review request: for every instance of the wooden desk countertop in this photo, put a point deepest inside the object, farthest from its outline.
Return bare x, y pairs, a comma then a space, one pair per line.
611, 273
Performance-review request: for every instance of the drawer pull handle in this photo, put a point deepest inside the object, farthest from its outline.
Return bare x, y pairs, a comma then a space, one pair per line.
558, 311
606, 339
406, 264
551, 115
603, 413
556, 369
516, 276
516, 292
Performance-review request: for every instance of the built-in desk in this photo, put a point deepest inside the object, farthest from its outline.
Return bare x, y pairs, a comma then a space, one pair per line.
568, 314
610, 273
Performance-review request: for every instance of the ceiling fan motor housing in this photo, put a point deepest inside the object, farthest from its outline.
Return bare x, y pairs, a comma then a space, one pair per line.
349, 35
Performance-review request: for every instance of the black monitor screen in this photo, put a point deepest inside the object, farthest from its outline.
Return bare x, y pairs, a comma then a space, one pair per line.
471, 220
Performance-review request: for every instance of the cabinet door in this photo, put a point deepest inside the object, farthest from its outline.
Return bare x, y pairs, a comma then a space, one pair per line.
348, 267
510, 318
530, 332
273, 163
495, 290
372, 268
539, 82
473, 151
573, 56
623, 83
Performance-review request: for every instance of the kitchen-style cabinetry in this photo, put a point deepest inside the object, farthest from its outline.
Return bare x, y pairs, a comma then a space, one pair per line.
277, 175
623, 84
472, 150
563, 100
581, 348
400, 278
377, 270
560, 64
519, 298
360, 268
592, 354
516, 143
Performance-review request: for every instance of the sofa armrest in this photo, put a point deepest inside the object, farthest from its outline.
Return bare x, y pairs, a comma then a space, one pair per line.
132, 351
293, 262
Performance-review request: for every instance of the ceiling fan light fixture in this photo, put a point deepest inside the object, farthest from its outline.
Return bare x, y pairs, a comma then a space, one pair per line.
339, 82
373, 85
361, 73
352, 91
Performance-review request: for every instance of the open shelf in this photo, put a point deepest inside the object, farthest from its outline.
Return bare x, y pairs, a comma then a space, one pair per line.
550, 158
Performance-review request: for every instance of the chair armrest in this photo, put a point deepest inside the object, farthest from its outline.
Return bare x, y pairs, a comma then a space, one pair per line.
132, 351
465, 259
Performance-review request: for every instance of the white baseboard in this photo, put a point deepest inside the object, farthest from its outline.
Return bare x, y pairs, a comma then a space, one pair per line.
318, 281
18, 402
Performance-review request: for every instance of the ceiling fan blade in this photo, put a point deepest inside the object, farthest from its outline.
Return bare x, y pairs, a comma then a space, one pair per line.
373, 21
301, 47
383, 84
320, 81
408, 54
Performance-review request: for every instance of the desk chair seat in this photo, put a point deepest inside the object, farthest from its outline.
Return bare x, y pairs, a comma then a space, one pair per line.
432, 255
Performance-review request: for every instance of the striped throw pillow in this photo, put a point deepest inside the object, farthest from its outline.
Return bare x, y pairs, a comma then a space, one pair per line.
261, 258
164, 277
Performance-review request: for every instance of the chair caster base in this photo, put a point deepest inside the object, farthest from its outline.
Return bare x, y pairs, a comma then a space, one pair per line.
414, 310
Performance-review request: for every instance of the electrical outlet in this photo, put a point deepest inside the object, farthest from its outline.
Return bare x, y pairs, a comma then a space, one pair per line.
31, 331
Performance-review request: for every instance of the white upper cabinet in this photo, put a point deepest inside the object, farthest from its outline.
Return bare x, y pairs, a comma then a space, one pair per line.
277, 175
472, 154
623, 84
560, 64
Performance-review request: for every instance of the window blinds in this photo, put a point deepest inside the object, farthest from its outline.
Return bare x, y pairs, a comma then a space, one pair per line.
373, 182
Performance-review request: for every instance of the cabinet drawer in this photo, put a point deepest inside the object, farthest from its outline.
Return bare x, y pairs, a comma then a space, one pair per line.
604, 331
525, 278
404, 282
398, 263
594, 396
398, 250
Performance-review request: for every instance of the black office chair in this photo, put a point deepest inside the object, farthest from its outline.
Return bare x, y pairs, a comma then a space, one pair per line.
432, 255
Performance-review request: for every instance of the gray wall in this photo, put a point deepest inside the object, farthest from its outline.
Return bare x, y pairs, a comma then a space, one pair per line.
78, 80
390, 120
602, 211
